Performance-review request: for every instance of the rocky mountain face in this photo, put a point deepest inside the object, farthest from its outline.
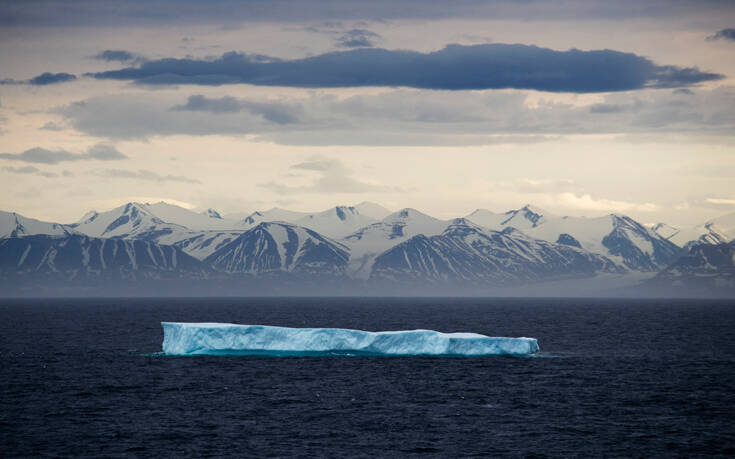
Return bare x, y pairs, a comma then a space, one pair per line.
467, 253
161, 241
618, 237
16, 225
719, 230
280, 248
705, 269
81, 257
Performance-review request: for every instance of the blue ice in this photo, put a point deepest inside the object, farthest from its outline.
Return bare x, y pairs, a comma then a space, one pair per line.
229, 339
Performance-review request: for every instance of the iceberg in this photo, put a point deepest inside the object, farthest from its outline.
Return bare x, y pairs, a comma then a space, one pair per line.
183, 339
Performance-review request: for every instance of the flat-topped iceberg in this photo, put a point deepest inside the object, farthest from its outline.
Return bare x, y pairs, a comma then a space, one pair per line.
231, 339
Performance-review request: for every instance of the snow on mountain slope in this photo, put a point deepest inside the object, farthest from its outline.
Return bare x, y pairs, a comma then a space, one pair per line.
135, 220
273, 215
199, 244
524, 218
336, 222
126, 221
211, 213
716, 231
706, 269
372, 210
78, 256
465, 252
208, 220
164, 224
664, 230
16, 225
281, 247
617, 236
368, 242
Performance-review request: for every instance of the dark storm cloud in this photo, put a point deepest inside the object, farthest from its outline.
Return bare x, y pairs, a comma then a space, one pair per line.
99, 152
115, 55
271, 111
456, 67
358, 38
724, 34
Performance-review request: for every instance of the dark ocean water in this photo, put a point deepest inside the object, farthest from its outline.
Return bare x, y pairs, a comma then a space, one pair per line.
615, 378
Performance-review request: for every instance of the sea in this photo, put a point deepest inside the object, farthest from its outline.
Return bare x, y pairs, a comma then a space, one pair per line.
614, 378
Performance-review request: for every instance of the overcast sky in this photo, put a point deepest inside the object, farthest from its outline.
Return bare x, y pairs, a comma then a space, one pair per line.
581, 108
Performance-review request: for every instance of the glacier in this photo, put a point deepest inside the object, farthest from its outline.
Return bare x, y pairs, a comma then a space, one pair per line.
185, 339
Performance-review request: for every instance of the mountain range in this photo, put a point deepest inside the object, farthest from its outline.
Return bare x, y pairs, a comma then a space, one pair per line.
363, 249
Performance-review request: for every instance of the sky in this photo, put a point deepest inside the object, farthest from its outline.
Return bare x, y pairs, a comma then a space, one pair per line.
577, 107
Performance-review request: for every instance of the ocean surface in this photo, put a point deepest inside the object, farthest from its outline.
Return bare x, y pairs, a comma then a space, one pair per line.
635, 378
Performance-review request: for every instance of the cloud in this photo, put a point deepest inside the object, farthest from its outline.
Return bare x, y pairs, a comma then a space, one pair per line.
587, 202
177, 13
333, 177
721, 201
142, 174
724, 34
606, 108
51, 78
526, 185
51, 126
115, 55
456, 67
407, 117
43, 79
99, 152
358, 38
707, 201
29, 170
271, 111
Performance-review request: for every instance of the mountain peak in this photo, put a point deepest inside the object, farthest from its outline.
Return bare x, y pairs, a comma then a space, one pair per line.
406, 212
211, 213
372, 210
534, 209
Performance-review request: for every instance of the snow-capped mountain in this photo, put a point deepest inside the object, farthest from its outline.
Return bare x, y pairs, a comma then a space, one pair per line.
273, 215
133, 219
281, 247
336, 222
201, 244
127, 221
211, 213
716, 231
151, 241
77, 257
523, 219
16, 225
372, 210
664, 230
618, 237
468, 253
705, 269
199, 235
368, 242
